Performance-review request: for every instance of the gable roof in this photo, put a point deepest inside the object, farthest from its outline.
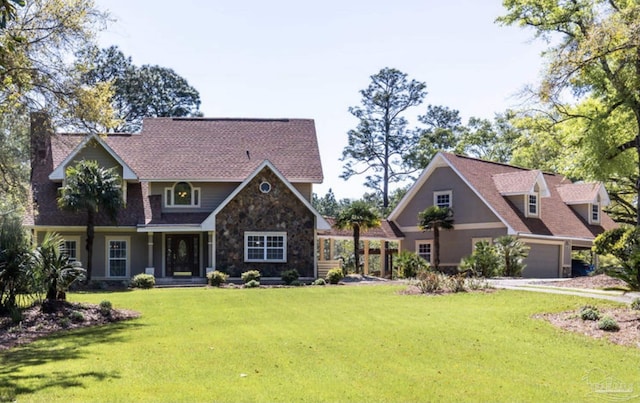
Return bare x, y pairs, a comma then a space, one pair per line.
209, 224
208, 149
520, 183
59, 171
557, 218
584, 193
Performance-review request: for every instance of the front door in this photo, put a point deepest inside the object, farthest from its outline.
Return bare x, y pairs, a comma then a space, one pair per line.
183, 256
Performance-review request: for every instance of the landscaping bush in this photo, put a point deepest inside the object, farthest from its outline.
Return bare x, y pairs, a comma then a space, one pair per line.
409, 264
289, 276
429, 281
143, 281
76, 316
624, 244
635, 304
608, 324
335, 275
475, 283
319, 281
456, 283
217, 278
251, 275
589, 313
512, 252
483, 262
105, 308
252, 284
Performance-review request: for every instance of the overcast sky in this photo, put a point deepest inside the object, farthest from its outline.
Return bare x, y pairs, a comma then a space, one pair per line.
296, 59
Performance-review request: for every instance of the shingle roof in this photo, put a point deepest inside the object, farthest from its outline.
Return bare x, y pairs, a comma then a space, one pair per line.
557, 218
520, 182
578, 193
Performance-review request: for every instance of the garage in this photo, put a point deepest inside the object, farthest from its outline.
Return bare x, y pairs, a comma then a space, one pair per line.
543, 261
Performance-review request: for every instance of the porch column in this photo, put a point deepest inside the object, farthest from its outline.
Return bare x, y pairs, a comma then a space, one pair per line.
383, 258
366, 257
211, 261
150, 269
332, 245
321, 243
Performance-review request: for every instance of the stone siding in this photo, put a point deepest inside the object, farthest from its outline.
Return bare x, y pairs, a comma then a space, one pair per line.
278, 210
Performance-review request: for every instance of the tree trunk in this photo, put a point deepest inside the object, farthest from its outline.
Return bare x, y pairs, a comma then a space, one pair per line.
89, 245
436, 247
356, 246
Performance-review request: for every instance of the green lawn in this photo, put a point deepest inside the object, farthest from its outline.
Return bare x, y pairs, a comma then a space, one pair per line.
320, 344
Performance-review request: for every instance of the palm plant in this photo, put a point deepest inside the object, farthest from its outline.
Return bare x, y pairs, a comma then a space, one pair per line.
54, 267
15, 257
359, 217
91, 188
512, 252
436, 218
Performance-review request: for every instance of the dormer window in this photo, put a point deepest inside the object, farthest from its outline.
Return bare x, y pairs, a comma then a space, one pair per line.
182, 194
595, 213
532, 205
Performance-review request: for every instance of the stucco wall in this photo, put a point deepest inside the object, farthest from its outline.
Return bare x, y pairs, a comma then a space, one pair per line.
279, 210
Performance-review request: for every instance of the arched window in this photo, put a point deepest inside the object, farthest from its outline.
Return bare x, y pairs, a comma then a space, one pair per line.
182, 194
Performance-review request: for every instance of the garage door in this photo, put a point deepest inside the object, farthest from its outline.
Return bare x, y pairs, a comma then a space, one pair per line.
543, 261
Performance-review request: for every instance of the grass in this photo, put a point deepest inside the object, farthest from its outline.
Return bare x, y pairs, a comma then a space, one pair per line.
319, 344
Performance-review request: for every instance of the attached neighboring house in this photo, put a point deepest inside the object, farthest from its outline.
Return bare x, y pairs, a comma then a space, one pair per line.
229, 194
546, 211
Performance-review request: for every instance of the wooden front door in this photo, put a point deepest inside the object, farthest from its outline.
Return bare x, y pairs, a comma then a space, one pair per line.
183, 255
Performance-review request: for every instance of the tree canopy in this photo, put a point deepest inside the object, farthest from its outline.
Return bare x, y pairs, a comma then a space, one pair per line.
358, 216
589, 91
138, 92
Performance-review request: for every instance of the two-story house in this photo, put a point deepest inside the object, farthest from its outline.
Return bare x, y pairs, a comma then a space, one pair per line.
201, 194
546, 211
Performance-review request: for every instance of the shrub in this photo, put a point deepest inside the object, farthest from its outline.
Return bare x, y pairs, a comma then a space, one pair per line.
143, 281
335, 275
456, 283
608, 324
512, 252
64, 322
252, 284
623, 244
429, 282
319, 281
217, 278
589, 312
76, 316
289, 276
484, 261
409, 264
105, 308
635, 304
296, 283
251, 275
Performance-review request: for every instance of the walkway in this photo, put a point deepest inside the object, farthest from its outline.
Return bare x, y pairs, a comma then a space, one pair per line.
537, 285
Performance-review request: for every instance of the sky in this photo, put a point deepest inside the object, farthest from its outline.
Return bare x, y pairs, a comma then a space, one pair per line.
301, 59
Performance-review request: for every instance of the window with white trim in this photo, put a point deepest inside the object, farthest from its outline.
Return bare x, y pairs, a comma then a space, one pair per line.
423, 249
532, 205
70, 248
265, 247
443, 198
117, 256
182, 194
595, 213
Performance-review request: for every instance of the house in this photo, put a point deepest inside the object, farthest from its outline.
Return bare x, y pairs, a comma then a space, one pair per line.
201, 194
546, 211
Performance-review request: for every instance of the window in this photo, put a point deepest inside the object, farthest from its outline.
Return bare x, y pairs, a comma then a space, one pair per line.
265, 246
532, 202
595, 213
423, 249
182, 194
117, 257
70, 248
442, 198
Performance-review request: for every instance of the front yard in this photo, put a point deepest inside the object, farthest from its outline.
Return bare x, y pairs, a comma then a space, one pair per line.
322, 344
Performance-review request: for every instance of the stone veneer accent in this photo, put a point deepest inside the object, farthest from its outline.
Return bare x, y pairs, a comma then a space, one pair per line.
279, 210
